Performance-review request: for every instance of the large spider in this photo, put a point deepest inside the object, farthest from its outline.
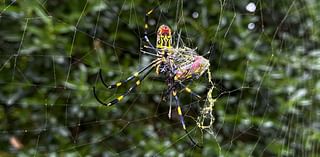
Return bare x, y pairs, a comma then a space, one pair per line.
177, 64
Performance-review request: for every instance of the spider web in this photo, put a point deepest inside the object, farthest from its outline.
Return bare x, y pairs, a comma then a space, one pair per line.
259, 98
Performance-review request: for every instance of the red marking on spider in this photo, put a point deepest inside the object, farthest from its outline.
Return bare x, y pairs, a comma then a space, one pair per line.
164, 29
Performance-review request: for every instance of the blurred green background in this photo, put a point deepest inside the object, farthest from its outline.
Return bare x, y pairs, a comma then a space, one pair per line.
265, 62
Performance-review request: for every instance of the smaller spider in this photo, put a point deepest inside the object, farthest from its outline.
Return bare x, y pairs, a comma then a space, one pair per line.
177, 64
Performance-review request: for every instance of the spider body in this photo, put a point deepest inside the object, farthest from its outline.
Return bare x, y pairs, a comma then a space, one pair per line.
182, 63
177, 64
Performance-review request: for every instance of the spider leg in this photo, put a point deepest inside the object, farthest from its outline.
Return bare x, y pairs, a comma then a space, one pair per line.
150, 54
146, 19
119, 98
170, 104
188, 90
179, 39
168, 91
174, 94
135, 75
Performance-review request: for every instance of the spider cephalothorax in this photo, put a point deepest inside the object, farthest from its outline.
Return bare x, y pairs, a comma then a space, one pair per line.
177, 64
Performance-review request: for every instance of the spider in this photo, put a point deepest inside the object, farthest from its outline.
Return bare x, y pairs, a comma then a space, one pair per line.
177, 64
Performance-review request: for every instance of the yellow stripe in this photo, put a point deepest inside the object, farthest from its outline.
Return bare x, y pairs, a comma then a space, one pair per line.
149, 12
169, 44
120, 98
146, 26
108, 104
174, 93
136, 74
158, 69
188, 89
179, 111
118, 84
138, 82
184, 127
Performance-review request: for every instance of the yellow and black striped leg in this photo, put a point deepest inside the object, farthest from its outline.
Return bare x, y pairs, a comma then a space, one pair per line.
119, 98
145, 36
120, 83
179, 110
188, 90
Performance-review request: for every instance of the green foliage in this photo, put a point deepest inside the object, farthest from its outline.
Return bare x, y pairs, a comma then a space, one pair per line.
266, 79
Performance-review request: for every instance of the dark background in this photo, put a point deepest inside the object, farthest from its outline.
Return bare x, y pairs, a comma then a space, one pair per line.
266, 79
